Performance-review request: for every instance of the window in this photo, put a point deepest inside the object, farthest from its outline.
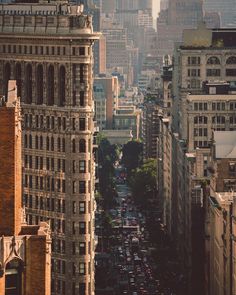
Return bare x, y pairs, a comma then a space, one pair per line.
82, 288
63, 145
74, 207
82, 166
213, 72
74, 187
229, 185
52, 122
82, 73
73, 146
194, 60
82, 124
41, 142
73, 228
82, 146
63, 165
82, 228
213, 60
82, 51
64, 123
82, 207
82, 187
232, 168
231, 60
81, 98
47, 122
82, 248
30, 141
47, 143
82, 270
59, 122
36, 142
52, 144
73, 166
13, 277
41, 163
230, 72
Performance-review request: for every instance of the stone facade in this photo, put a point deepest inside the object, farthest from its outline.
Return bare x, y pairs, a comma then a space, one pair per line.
47, 48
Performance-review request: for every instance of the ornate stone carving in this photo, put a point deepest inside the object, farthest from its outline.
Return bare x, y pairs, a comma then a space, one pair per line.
11, 248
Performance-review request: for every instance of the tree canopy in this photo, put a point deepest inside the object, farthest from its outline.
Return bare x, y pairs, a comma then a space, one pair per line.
143, 182
132, 155
107, 156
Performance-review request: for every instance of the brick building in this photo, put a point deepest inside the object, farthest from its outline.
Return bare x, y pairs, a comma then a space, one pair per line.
25, 250
47, 48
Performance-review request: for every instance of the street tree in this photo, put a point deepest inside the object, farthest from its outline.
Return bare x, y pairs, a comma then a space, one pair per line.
132, 155
143, 182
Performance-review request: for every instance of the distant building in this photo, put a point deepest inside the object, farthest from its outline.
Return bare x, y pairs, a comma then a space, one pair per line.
106, 91
118, 136
226, 10
181, 14
150, 129
207, 112
128, 118
204, 55
25, 250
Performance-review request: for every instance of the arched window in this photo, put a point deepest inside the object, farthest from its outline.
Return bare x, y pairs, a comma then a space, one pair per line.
50, 86
13, 278
63, 144
213, 60
62, 80
39, 84
18, 79
231, 60
7, 77
28, 84
82, 146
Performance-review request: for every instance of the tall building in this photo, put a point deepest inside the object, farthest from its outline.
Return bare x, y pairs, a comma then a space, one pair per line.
203, 100
25, 250
220, 254
181, 14
150, 129
185, 12
47, 48
106, 91
226, 10
214, 61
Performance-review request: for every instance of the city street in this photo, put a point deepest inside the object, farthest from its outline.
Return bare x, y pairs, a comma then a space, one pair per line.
127, 262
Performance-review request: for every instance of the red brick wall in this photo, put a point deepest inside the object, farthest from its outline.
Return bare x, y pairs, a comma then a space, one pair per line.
38, 278
10, 174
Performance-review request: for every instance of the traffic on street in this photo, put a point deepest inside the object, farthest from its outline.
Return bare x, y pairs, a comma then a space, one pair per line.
124, 261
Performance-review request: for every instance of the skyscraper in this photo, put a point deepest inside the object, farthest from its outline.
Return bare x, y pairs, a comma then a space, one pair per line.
226, 9
47, 48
